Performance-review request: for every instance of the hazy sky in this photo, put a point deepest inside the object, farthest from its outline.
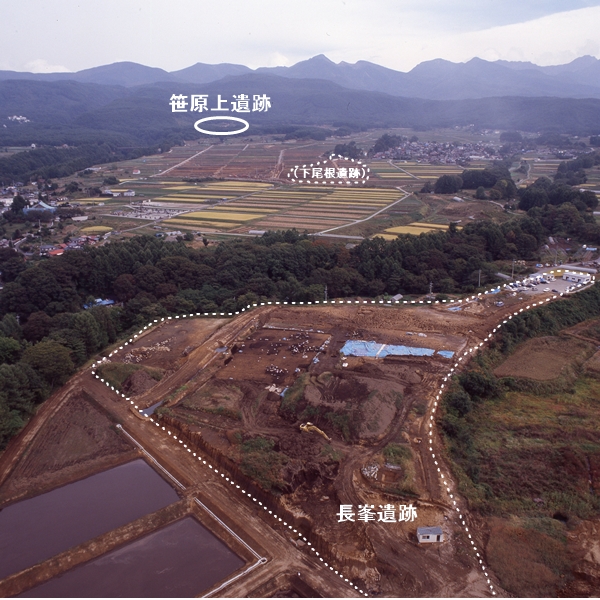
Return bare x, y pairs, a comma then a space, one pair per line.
69, 35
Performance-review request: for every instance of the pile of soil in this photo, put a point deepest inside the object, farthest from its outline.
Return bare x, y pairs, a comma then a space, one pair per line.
138, 383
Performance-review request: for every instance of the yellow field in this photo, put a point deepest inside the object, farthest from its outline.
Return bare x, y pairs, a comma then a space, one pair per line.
409, 229
193, 224
413, 229
346, 202
428, 225
234, 185
183, 199
215, 215
97, 229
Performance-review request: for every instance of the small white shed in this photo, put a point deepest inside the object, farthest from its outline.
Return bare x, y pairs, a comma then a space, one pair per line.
427, 535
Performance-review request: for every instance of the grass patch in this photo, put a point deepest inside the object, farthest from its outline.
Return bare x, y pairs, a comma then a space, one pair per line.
262, 463
116, 374
397, 454
512, 547
331, 453
224, 412
293, 395
401, 455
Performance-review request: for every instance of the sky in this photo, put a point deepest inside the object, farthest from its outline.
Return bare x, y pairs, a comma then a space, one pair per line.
70, 35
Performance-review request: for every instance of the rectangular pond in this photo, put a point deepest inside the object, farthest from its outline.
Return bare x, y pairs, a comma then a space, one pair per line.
38, 528
180, 560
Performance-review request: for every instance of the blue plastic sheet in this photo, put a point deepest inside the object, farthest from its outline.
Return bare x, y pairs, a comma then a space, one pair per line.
376, 350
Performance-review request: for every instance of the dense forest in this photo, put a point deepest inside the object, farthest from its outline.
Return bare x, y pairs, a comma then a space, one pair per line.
46, 163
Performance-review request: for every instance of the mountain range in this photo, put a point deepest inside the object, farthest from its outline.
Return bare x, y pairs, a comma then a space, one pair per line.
432, 80
128, 104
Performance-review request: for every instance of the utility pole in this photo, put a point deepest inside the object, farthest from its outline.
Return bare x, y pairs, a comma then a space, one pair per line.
513, 269
325, 293
479, 281
430, 287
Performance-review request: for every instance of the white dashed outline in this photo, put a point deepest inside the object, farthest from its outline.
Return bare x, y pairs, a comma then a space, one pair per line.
461, 516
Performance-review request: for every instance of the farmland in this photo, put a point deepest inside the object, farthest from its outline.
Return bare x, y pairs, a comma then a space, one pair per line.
234, 187
303, 207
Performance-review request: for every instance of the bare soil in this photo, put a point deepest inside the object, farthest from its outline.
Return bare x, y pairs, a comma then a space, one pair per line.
215, 383
78, 438
238, 395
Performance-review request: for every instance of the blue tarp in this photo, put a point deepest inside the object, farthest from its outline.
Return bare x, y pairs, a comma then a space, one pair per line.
99, 302
377, 350
374, 349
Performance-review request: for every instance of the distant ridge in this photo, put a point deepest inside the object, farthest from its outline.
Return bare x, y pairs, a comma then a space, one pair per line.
434, 80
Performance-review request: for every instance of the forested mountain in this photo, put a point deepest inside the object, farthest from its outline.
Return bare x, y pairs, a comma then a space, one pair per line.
435, 80
69, 112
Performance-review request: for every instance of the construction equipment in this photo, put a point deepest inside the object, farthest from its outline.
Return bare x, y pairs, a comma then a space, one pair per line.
308, 426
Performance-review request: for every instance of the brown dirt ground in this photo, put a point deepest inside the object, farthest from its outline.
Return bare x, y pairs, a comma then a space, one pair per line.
319, 474
322, 474
542, 358
78, 438
182, 334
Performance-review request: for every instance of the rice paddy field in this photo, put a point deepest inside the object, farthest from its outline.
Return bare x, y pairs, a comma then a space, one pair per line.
237, 186
431, 172
412, 229
391, 172
542, 167
593, 180
203, 193
303, 207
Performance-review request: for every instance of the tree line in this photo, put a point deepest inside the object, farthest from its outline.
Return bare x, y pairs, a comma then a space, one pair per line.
45, 334
46, 163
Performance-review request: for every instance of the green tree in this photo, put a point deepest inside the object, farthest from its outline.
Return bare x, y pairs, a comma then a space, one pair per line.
349, 150
18, 204
51, 360
10, 350
88, 330
38, 326
448, 184
72, 187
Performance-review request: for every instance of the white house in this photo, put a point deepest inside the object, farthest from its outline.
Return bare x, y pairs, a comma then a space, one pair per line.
427, 535
582, 278
129, 193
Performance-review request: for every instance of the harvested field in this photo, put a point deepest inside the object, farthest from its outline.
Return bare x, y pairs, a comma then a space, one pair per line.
543, 359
